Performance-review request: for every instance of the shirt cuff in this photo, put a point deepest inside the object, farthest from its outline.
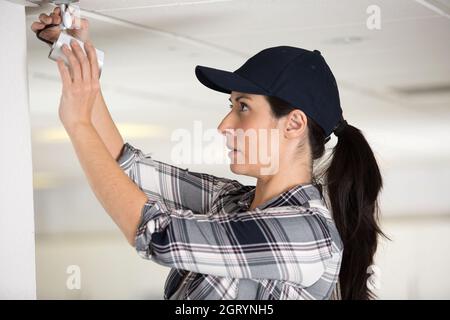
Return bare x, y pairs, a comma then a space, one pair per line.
127, 155
153, 219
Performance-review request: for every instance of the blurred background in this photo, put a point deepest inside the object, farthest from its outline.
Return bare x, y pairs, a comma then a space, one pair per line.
394, 84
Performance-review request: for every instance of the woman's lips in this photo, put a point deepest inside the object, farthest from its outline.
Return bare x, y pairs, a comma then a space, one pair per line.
233, 152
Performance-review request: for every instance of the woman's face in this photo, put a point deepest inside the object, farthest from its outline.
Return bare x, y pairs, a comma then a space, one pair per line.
251, 128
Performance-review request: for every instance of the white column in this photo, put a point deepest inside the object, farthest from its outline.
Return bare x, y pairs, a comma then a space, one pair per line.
17, 251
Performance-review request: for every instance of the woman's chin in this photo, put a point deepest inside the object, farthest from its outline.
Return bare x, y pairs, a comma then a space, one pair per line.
234, 168
237, 168
242, 169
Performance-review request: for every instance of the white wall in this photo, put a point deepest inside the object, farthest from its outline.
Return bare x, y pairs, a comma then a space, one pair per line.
17, 253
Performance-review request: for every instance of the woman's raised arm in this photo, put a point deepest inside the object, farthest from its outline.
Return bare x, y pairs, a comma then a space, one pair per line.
101, 117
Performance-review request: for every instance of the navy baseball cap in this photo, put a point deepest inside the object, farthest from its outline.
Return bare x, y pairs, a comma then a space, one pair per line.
298, 76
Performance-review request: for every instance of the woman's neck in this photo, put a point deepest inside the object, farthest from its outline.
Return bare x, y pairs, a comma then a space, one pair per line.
268, 187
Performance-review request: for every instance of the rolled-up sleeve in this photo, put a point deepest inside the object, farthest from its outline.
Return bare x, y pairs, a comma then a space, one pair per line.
279, 243
176, 187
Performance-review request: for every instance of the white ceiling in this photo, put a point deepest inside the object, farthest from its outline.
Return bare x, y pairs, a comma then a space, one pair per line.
152, 47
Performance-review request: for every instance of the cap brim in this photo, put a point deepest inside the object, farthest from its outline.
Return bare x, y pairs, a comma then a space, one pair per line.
225, 81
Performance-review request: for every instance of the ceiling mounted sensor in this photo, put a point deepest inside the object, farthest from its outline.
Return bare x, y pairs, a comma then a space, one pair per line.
38, 6
63, 4
439, 6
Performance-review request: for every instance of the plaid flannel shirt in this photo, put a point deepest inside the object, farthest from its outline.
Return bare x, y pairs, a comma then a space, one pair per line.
201, 227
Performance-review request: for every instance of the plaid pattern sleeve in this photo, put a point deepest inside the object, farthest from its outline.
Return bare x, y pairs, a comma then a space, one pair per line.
252, 244
178, 188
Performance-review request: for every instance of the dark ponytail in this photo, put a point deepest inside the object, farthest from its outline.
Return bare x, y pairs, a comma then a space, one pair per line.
353, 182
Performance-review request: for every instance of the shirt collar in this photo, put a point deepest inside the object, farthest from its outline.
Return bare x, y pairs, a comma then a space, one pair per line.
299, 195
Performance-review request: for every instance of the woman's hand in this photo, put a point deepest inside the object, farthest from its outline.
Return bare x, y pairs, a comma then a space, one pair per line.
80, 84
52, 34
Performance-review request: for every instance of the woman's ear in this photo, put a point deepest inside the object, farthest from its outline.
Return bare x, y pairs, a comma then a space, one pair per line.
296, 123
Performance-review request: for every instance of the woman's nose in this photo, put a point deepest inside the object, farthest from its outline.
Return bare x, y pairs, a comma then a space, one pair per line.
225, 125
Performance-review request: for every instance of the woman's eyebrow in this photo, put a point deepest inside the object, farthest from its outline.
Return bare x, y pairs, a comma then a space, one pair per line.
240, 97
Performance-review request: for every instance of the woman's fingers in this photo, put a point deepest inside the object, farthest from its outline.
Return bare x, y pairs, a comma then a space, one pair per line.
56, 17
92, 55
64, 73
82, 59
45, 18
73, 62
36, 26
57, 11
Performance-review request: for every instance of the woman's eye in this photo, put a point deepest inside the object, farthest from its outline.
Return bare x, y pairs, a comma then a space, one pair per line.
242, 105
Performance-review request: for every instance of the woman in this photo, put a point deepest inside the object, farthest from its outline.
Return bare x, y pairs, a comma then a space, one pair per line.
224, 240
